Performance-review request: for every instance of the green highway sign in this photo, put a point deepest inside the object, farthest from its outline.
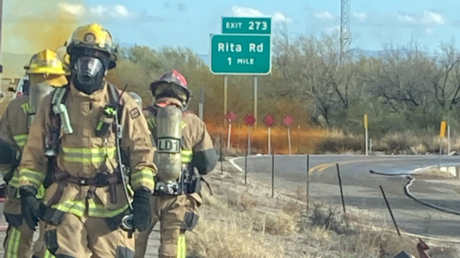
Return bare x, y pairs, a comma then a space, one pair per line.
240, 54
247, 25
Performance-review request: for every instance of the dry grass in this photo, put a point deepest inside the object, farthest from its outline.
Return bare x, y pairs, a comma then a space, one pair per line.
303, 140
316, 140
242, 221
224, 231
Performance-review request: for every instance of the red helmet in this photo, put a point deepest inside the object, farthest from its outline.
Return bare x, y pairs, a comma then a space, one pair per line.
171, 84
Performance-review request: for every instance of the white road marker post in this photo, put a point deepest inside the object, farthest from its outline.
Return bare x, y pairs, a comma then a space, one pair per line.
229, 135
289, 140
269, 141
366, 135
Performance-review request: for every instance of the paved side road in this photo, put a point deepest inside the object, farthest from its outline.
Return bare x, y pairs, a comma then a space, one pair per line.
361, 189
152, 249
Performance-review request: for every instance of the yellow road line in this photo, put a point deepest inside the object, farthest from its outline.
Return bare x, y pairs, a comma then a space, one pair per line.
322, 167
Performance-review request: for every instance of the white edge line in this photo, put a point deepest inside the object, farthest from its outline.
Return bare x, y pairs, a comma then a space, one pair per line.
232, 161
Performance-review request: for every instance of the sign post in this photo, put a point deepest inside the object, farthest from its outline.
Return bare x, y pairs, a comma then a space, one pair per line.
288, 120
448, 132
230, 116
201, 104
269, 120
442, 134
225, 94
366, 135
243, 48
249, 120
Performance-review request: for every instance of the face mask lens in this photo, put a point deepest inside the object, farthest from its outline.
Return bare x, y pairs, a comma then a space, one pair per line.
88, 67
168, 90
86, 78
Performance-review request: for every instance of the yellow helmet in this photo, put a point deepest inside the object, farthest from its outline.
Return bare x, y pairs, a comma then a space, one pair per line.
96, 37
45, 62
65, 58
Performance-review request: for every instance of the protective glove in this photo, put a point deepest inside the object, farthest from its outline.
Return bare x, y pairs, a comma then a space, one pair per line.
142, 214
30, 206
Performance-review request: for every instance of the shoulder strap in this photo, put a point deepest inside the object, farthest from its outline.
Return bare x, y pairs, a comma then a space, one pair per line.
59, 97
115, 100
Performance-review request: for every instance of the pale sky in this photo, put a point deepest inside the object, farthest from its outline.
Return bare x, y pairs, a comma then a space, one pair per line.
189, 23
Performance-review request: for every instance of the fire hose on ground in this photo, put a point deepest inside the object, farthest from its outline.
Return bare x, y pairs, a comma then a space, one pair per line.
410, 195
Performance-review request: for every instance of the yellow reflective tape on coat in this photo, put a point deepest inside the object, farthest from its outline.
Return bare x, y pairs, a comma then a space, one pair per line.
142, 177
41, 192
14, 181
75, 207
27, 176
186, 156
100, 211
20, 139
25, 108
88, 155
48, 254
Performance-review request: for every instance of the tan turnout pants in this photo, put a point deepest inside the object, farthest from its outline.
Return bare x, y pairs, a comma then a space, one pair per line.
19, 239
88, 237
176, 214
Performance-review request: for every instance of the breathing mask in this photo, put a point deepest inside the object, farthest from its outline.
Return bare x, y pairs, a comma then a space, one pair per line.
89, 68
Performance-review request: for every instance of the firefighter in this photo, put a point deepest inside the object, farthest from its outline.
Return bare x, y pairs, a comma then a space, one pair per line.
84, 129
184, 153
44, 70
62, 53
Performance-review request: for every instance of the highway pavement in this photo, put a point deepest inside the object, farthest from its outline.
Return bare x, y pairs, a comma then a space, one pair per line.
361, 189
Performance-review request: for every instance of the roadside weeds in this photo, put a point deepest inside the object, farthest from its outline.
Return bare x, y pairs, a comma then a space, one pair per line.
244, 221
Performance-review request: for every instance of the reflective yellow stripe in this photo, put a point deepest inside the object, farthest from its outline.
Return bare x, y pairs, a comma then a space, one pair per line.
20, 139
25, 108
13, 243
74, 207
31, 176
142, 177
181, 247
14, 182
48, 254
41, 192
88, 155
95, 210
186, 156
